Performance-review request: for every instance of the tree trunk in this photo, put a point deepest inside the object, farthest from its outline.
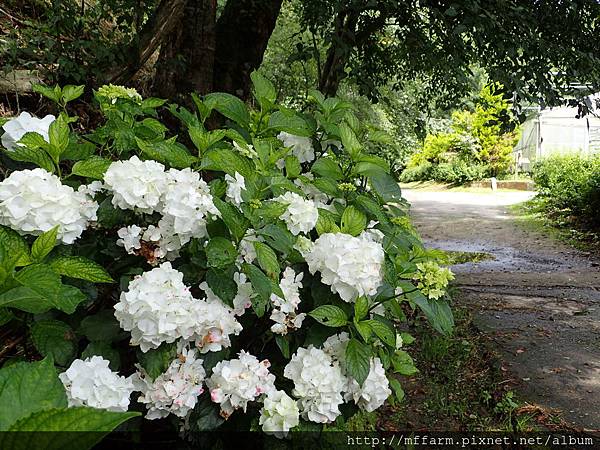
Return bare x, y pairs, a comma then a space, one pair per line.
186, 60
243, 32
161, 24
338, 53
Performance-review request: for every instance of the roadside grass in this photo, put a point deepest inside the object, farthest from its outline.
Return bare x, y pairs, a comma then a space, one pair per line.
436, 186
461, 385
454, 257
538, 215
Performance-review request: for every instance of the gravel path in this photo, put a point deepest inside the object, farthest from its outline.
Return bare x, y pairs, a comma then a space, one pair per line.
539, 299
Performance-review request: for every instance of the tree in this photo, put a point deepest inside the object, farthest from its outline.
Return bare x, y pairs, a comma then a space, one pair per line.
536, 49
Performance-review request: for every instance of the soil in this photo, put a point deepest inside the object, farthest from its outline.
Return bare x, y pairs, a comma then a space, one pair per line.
538, 300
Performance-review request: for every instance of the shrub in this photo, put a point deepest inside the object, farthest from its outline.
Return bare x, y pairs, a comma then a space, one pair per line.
571, 183
244, 265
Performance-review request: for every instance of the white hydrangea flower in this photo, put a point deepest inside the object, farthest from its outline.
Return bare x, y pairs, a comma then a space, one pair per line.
301, 215
158, 308
90, 382
236, 382
215, 323
279, 414
247, 252
284, 309
187, 205
243, 298
129, 238
301, 146
235, 186
16, 128
35, 201
137, 185
114, 92
335, 347
374, 391
304, 246
318, 384
321, 199
352, 266
175, 391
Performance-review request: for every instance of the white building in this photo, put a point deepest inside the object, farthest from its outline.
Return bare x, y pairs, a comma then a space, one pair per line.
557, 131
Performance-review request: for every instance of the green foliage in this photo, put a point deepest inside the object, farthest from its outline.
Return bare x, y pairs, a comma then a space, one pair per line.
570, 184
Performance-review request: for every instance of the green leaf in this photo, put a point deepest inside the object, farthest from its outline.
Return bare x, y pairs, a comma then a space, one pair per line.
233, 218
438, 312
283, 345
80, 268
386, 186
292, 167
15, 246
363, 328
349, 140
230, 106
82, 428
328, 168
156, 361
44, 244
58, 136
358, 360
26, 388
103, 349
397, 388
5, 316
228, 161
353, 221
167, 152
326, 222
36, 156
203, 139
102, 326
262, 286
94, 167
264, 91
278, 237
222, 284
54, 338
407, 339
384, 330
291, 122
220, 253
53, 94
329, 315
267, 260
403, 363
70, 92
26, 300
69, 297
361, 308
40, 279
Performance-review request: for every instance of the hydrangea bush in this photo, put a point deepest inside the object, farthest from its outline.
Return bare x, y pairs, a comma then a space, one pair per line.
251, 276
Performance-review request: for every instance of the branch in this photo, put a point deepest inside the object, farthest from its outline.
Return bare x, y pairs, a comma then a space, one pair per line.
163, 21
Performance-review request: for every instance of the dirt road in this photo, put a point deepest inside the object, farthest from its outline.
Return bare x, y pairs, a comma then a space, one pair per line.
539, 299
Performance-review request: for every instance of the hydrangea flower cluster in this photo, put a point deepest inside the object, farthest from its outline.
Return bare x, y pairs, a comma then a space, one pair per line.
433, 279
318, 384
158, 307
90, 382
279, 414
236, 382
180, 196
235, 186
301, 215
114, 92
35, 201
284, 309
352, 266
24, 123
301, 146
175, 391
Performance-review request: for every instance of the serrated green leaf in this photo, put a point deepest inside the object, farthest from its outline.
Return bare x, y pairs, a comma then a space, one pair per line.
349, 140
384, 330
263, 90
222, 284
353, 221
277, 237
58, 137
44, 244
363, 328
26, 388
361, 308
283, 345
78, 428
358, 360
25, 299
157, 360
397, 389
53, 94
102, 326
230, 106
220, 253
15, 246
94, 167
290, 121
328, 168
70, 92
232, 217
228, 161
326, 222
167, 152
262, 285
54, 338
403, 363
386, 186
329, 315
267, 260
80, 268
292, 167
36, 156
